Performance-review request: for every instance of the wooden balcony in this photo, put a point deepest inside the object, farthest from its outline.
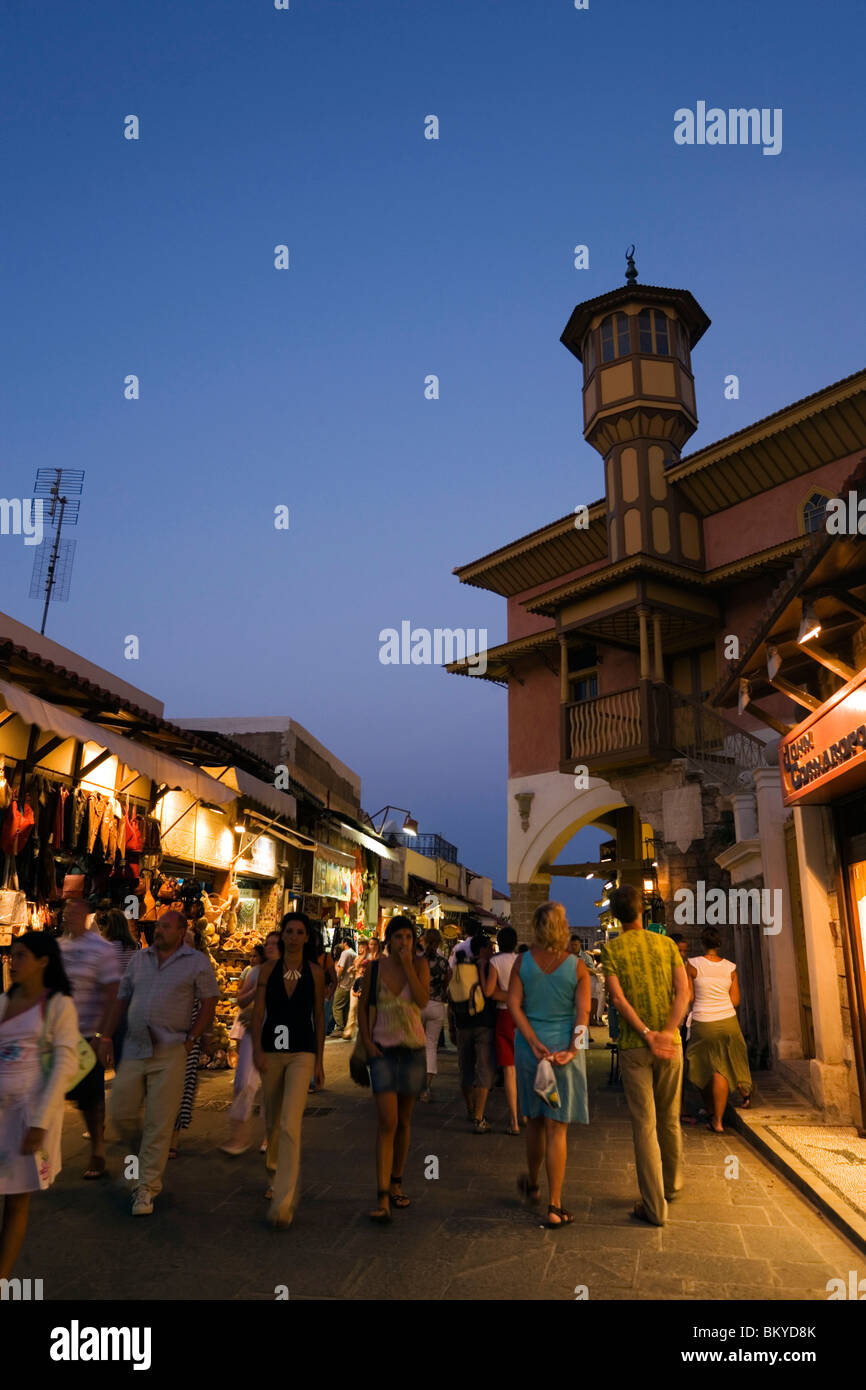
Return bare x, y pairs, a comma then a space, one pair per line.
651, 723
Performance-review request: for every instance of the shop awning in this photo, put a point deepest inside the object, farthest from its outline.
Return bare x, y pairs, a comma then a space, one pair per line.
452, 905
161, 768
362, 838
279, 803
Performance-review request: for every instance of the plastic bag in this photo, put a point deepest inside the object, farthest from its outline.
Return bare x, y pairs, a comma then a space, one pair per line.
545, 1085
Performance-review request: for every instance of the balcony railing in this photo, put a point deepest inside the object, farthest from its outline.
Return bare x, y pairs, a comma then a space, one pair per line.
649, 723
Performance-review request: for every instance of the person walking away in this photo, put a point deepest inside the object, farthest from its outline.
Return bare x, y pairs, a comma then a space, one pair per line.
114, 925
38, 1060
355, 991
548, 996
433, 1016
93, 967
495, 984
342, 993
650, 991
717, 1056
246, 1079
158, 993
195, 937
398, 988
288, 1050
474, 1018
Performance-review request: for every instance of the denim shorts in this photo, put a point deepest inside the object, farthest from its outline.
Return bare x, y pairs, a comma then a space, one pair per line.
399, 1069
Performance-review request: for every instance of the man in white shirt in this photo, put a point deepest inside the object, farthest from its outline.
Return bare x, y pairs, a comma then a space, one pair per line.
343, 993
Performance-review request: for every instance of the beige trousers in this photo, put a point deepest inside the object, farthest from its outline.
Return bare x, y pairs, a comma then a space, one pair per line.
652, 1090
157, 1083
285, 1082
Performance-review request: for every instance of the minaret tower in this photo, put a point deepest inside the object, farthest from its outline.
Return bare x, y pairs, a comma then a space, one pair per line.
639, 410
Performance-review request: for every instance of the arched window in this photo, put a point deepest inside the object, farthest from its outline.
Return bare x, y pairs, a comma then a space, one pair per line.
653, 332
812, 512
621, 345
589, 355
661, 319
607, 349
623, 335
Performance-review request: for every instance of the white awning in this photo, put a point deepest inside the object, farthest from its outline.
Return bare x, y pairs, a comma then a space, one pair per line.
161, 768
245, 784
367, 841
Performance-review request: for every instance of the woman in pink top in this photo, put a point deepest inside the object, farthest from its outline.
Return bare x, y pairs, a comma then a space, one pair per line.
717, 1059
398, 987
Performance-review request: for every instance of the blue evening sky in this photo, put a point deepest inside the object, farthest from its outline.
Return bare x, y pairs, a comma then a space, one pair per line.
407, 257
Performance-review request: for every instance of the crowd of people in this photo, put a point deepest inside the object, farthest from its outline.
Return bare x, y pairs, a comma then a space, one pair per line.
98, 998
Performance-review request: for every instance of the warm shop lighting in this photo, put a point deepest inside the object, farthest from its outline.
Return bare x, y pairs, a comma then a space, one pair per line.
810, 624
647, 885
608, 886
655, 863
239, 829
590, 875
410, 826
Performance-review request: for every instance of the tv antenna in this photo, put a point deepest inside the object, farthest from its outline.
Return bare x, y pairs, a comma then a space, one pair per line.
60, 490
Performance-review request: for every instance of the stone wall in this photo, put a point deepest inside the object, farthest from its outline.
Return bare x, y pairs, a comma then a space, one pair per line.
525, 898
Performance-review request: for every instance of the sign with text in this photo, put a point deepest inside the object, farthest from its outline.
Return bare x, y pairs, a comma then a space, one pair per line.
825, 757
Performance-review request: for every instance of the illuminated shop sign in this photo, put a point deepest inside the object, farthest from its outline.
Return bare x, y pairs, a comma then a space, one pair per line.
825, 756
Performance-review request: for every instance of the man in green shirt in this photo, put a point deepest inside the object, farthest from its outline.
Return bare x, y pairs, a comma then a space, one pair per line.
650, 990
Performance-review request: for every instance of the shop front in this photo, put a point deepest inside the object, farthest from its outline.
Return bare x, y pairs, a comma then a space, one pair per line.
823, 764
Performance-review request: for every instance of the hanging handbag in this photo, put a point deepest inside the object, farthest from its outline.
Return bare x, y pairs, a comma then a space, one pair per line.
86, 1055
359, 1062
13, 903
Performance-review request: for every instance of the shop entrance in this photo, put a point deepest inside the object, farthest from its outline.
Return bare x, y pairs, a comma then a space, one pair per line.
807, 1033
850, 818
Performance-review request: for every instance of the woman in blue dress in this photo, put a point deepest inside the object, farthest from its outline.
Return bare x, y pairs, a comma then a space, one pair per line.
549, 999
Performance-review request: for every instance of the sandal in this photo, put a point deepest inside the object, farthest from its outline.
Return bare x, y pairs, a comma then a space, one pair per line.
398, 1199
512, 1130
95, 1169
713, 1130
269, 1192
747, 1102
530, 1193
565, 1218
172, 1153
382, 1214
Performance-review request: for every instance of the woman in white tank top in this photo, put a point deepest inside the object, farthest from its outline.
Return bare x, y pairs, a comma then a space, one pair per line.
717, 1058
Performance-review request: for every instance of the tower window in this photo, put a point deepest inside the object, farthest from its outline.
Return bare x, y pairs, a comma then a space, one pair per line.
623, 335
607, 350
589, 355
653, 330
661, 333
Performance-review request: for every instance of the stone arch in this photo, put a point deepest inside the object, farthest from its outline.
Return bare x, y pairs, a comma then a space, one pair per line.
558, 818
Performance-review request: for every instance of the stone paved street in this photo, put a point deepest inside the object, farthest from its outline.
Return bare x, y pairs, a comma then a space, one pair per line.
466, 1235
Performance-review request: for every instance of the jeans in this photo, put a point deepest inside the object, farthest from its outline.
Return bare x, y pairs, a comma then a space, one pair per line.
433, 1018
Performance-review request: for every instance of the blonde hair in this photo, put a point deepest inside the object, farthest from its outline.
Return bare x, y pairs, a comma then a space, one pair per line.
550, 924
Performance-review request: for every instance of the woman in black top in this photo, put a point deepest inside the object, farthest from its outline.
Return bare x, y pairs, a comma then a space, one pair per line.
289, 1047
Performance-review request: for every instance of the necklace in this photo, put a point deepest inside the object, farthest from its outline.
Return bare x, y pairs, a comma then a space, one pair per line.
291, 974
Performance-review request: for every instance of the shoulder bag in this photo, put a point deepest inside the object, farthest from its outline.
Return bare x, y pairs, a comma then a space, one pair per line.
359, 1062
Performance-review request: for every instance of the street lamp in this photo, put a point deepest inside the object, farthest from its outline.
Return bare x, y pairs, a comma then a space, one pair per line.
409, 826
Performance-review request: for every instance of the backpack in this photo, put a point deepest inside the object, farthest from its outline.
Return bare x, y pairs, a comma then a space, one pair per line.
465, 991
